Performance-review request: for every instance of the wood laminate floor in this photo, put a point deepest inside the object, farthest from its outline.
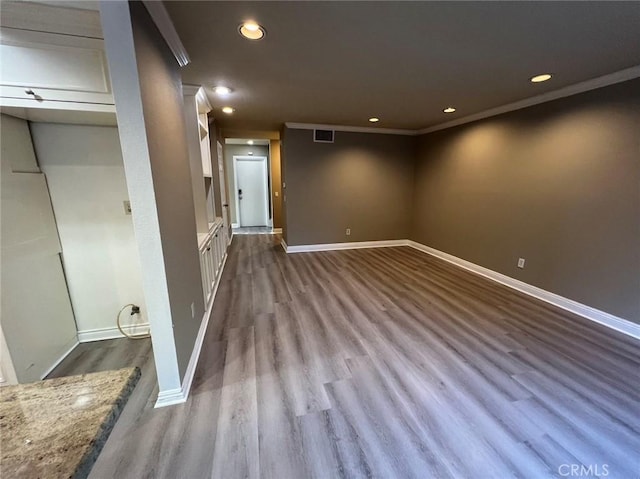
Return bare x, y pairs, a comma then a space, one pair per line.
384, 363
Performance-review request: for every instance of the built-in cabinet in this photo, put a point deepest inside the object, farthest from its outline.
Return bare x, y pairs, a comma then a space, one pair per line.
52, 59
213, 251
39, 67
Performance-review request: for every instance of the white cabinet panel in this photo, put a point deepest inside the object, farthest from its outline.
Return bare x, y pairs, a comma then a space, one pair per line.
38, 66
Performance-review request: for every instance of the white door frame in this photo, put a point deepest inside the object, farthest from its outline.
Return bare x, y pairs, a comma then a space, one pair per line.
263, 160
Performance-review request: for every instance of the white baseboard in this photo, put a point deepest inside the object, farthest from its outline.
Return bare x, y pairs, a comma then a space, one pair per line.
235, 225
307, 248
178, 396
284, 246
67, 350
170, 397
277, 230
614, 322
100, 334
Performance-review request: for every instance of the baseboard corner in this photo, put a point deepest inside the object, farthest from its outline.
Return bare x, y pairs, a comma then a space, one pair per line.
602, 317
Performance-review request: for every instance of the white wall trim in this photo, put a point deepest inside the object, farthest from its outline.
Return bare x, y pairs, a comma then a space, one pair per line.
235, 225
352, 129
70, 347
284, 245
177, 396
277, 231
592, 84
614, 322
161, 18
581, 87
337, 246
170, 397
593, 314
100, 334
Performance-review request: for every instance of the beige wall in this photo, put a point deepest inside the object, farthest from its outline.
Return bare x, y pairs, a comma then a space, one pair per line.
276, 182
85, 175
37, 318
363, 181
557, 184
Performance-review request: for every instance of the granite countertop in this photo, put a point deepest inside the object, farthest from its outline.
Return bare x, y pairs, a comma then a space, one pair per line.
56, 428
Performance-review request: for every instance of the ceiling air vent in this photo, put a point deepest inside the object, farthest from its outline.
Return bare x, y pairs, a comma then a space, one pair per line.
323, 136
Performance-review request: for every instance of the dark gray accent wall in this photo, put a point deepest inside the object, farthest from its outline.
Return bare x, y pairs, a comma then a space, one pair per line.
557, 184
161, 90
363, 181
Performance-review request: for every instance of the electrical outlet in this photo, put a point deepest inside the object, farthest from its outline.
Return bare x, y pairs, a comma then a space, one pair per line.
521, 263
348, 232
193, 311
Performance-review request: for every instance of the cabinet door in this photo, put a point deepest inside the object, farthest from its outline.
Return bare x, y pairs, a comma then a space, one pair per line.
38, 66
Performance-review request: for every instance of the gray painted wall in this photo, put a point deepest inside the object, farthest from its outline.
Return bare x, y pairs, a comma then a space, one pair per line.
363, 181
240, 150
557, 184
148, 96
161, 87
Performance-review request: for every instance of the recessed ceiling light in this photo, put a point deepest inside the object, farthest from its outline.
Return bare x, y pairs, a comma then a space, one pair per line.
252, 30
374, 120
228, 110
541, 78
222, 90
449, 109
250, 142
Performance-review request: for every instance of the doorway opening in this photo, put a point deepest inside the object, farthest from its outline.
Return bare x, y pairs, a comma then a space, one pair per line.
251, 187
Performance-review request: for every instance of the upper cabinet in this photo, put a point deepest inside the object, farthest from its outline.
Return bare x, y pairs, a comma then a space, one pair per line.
39, 67
53, 58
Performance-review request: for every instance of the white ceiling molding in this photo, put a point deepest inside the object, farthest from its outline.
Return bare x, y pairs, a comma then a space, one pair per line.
582, 87
201, 97
162, 20
353, 129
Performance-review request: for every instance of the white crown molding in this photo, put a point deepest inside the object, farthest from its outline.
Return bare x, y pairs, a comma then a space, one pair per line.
352, 129
191, 90
606, 319
582, 87
203, 100
161, 18
201, 96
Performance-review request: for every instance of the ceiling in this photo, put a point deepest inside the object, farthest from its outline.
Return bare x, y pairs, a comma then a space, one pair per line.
343, 62
244, 141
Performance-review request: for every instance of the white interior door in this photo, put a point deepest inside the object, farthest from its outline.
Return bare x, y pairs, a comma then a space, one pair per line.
251, 190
